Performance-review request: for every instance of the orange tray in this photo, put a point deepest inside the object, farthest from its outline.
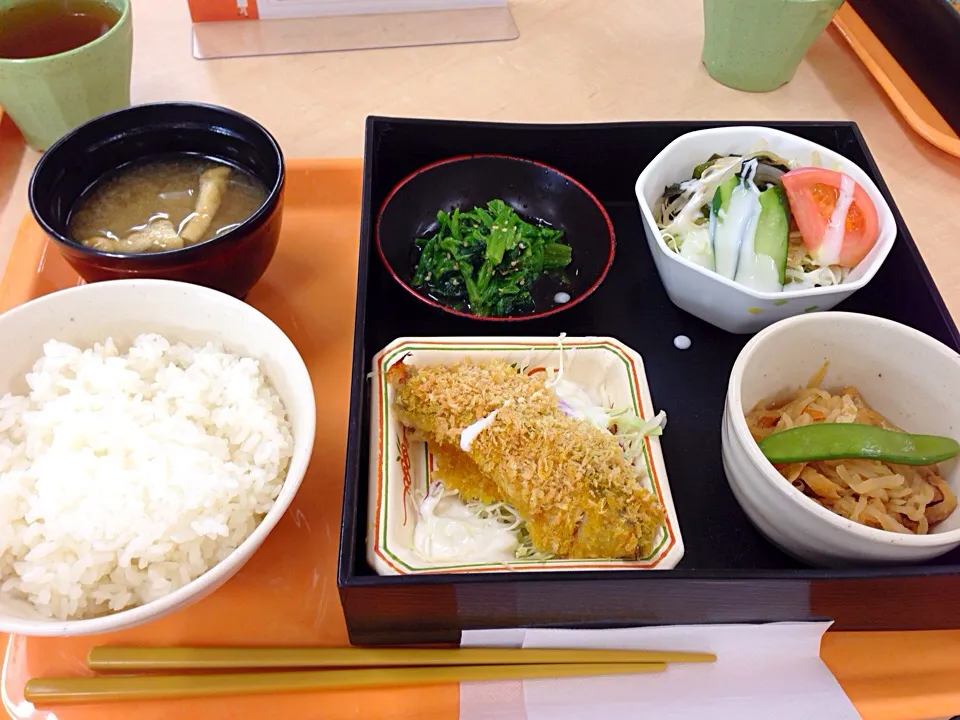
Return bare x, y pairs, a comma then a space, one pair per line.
287, 594
909, 99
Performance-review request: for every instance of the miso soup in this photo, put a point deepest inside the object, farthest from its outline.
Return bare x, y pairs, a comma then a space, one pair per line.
164, 204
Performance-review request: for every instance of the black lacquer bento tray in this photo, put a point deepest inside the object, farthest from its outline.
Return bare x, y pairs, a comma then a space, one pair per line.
729, 573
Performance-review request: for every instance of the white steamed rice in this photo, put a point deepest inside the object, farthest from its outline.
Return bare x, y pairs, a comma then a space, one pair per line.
125, 475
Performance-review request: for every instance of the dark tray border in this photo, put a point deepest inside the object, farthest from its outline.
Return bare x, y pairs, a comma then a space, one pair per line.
363, 596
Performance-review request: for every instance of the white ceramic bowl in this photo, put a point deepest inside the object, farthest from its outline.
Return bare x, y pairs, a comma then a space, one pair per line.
903, 374
123, 309
711, 297
401, 467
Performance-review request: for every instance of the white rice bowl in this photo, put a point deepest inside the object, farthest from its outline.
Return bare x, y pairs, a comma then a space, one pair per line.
125, 475
141, 472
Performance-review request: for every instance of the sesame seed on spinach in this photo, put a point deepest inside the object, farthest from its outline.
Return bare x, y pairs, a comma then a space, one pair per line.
486, 261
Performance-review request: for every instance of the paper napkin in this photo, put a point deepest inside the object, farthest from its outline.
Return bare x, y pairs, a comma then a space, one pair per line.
762, 672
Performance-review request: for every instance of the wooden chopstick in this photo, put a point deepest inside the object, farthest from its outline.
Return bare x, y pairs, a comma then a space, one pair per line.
57, 691
187, 658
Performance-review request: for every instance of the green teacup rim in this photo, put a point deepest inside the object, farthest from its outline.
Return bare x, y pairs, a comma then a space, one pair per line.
103, 38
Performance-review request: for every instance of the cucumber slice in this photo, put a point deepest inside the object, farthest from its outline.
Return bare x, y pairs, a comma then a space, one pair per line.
773, 228
733, 208
763, 251
721, 198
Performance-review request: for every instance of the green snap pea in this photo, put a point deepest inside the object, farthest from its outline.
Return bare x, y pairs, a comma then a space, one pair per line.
840, 441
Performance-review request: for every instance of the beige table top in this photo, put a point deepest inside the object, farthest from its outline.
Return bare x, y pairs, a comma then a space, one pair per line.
575, 61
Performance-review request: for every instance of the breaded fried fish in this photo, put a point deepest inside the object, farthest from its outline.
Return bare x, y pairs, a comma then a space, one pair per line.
500, 436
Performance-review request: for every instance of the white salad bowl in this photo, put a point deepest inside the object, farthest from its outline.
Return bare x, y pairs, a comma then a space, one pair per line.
712, 297
123, 309
401, 468
910, 378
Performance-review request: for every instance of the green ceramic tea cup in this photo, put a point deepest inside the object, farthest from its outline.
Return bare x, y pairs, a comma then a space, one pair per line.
49, 96
757, 45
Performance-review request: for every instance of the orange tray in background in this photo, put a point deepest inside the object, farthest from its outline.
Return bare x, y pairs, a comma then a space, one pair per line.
909, 99
287, 594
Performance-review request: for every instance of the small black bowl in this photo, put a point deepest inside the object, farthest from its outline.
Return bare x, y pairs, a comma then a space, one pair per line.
232, 262
535, 191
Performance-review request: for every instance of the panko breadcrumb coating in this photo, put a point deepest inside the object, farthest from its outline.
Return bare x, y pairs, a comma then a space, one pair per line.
569, 480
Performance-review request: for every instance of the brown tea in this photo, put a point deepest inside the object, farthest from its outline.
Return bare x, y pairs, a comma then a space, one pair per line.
48, 27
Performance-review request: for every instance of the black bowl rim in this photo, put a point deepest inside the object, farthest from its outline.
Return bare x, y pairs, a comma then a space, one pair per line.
508, 318
266, 207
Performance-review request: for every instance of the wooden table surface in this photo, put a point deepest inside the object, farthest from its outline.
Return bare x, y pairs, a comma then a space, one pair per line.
576, 61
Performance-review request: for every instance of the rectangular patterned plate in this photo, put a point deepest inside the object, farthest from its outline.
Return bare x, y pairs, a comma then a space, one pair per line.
402, 469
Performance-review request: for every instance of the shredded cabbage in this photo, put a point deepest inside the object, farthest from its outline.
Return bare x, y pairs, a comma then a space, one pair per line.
799, 278
631, 431
449, 530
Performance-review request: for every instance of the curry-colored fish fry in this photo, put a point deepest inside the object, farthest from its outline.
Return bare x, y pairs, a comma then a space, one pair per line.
569, 480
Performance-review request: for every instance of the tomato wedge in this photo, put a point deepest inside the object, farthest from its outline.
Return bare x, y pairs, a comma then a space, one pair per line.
814, 194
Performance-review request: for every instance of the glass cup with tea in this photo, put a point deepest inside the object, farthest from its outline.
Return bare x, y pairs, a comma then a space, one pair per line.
62, 63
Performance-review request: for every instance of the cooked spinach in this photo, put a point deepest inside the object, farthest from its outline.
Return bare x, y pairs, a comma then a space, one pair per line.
486, 261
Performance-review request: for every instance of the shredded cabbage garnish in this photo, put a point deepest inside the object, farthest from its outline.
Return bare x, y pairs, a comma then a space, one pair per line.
815, 277
803, 271
448, 529
631, 431
468, 528
501, 512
